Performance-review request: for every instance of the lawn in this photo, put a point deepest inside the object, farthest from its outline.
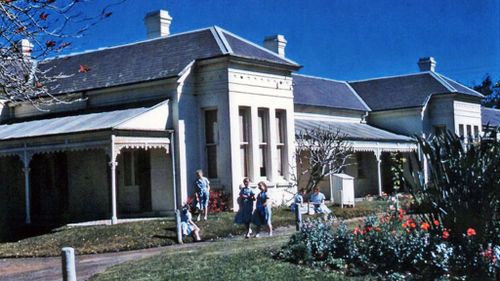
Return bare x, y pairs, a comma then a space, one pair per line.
249, 259
146, 234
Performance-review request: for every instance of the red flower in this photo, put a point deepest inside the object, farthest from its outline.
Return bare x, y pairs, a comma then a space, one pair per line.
368, 229
471, 232
21, 29
446, 234
378, 229
436, 222
425, 226
401, 213
413, 225
357, 231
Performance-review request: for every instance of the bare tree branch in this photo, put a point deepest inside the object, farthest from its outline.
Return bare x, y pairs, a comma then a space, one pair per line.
33, 30
320, 152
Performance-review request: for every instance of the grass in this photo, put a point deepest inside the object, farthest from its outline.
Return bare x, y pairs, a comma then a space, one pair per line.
248, 260
146, 234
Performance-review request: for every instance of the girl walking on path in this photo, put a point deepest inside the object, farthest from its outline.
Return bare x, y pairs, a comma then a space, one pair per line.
263, 213
245, 201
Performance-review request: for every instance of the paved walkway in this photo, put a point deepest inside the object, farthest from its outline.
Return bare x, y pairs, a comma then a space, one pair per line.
88, 265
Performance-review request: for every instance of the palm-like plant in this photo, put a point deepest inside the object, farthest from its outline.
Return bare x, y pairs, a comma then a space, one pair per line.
463, 191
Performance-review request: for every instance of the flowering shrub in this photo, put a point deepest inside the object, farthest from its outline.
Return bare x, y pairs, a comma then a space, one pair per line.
218, 202
394, 247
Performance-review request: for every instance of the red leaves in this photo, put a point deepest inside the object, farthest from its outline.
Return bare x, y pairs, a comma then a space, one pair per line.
50, 43
44, 16
83, 68
21, 29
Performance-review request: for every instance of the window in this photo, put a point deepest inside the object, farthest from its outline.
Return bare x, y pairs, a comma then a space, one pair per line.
263, 116
476, 132
280, 141
461, 131
359, 164
439, 130
469, 132
131, 167
244, 140
211, 139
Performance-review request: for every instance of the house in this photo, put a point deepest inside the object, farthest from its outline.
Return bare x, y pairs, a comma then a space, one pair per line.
146, 115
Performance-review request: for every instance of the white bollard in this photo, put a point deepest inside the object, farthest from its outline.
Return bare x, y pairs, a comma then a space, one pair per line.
68, 264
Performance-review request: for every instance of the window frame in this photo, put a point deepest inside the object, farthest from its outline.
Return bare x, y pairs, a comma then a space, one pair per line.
211, 142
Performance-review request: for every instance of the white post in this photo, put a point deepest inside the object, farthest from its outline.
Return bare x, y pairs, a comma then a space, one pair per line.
26, 170
378, 155
68, 264
112, 165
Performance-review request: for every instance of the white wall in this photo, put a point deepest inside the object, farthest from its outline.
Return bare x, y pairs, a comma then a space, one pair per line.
162, 191
402, 121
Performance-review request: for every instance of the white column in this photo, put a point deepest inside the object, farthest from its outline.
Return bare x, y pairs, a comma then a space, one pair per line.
27, 192
254, 144
114, 218
112, 165
378, 156
273, 153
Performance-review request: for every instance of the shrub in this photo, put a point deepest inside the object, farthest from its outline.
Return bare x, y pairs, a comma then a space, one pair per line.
394, 247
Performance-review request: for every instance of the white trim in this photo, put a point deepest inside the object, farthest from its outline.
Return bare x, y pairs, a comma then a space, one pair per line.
257, 46
389, 77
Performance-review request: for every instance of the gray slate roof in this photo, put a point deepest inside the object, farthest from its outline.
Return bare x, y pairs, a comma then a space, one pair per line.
317, 91
354, 131
490, 116
412, 90
151, 60
68, 124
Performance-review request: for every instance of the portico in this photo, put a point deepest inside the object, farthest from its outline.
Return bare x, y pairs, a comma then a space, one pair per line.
107, 137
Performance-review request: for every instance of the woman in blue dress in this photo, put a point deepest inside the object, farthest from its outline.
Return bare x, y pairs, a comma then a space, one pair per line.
263, 213
245, 201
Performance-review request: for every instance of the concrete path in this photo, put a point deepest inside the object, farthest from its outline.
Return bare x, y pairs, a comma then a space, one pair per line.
88, 265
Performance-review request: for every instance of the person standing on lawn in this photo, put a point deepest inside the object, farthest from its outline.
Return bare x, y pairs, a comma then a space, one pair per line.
298, 200
245, 201
263, 213
202, 193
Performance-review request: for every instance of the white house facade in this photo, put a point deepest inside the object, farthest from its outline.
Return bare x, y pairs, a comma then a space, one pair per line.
147, 115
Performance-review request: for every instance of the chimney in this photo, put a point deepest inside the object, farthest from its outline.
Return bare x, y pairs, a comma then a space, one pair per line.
276, 44
427, 64
157, 24
25, 47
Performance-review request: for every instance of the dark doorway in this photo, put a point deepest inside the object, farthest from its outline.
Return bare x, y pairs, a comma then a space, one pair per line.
49, 188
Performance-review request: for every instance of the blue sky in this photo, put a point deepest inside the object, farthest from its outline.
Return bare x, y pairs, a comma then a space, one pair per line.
340, 39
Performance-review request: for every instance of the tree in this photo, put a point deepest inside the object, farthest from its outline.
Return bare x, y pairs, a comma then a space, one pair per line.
491, 91
33, 30
320, 153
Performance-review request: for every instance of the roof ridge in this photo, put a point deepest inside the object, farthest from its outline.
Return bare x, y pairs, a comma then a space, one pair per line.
257, 46
124, 45
389, 77
443, 82
448, 78
318, 77
224, 46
